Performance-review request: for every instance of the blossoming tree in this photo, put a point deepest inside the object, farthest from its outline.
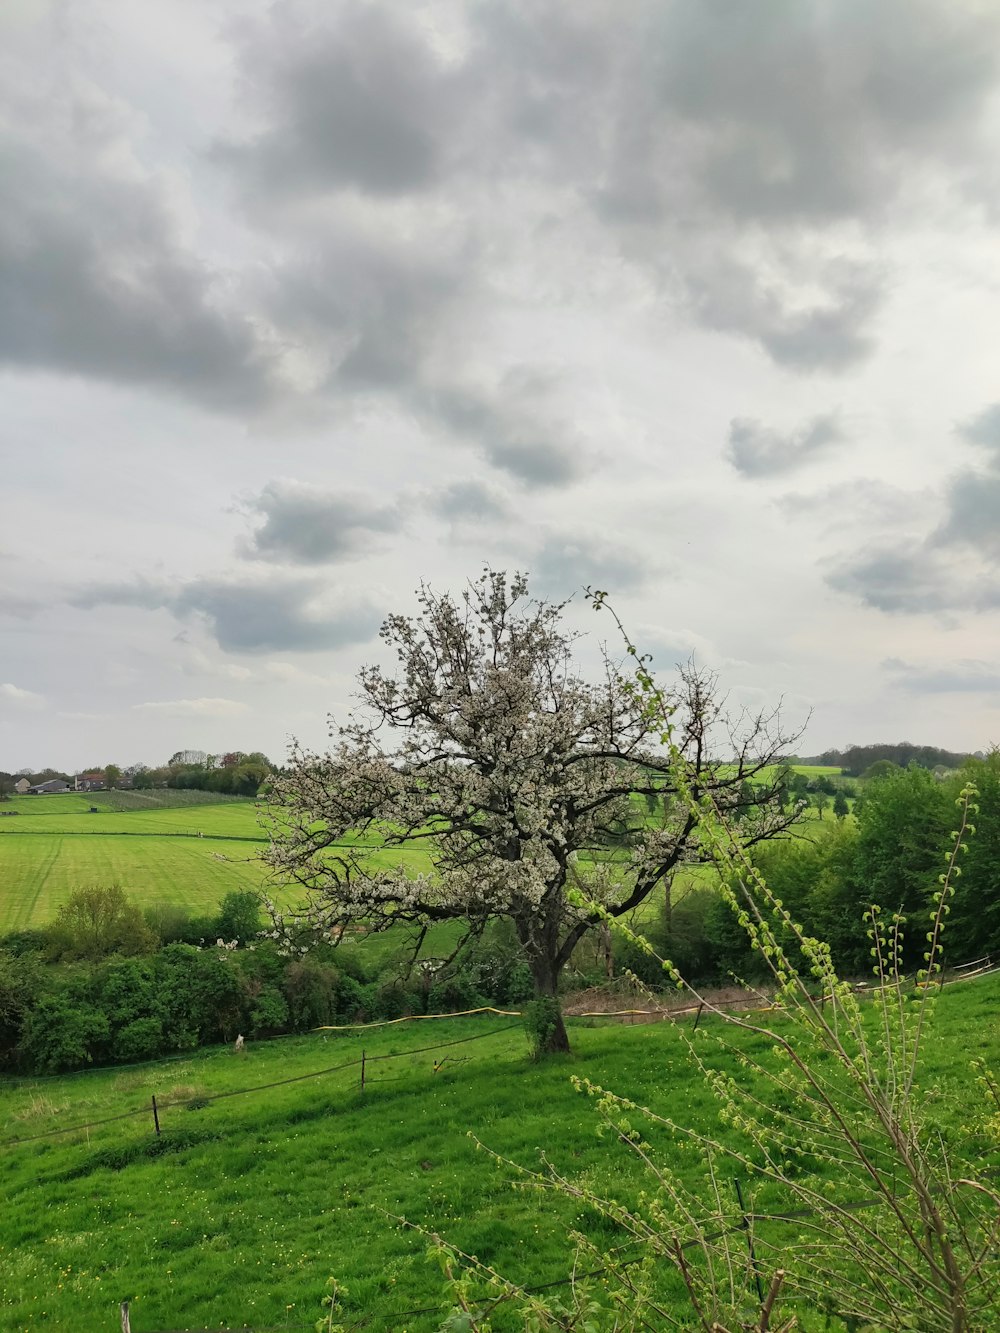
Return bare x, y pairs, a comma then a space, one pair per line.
517, 777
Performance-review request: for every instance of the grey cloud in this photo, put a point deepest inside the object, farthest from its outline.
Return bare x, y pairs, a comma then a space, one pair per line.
897, 581
966, 676
94, 279
757, 450
973, 514
375, 302
831, 335
983, 429
277, 614
283, 615
811, 111
310, 525
472, 500
21, 608
862, 503
565, 565
719, 143
514, 426
357, 97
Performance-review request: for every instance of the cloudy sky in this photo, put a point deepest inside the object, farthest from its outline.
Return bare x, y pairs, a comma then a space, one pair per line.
304, 302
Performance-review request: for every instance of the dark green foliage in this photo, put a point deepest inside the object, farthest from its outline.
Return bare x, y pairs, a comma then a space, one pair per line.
25, 941
20, 983
269, 1013
857, 758
170, 923
239, 917
840, 806
141, 1039
903, 822
242, 777
975, 913
492, 970
201, 997
312, 993
98, 921
392, 999
61, 1032
453, 994
729, 950
541, 1019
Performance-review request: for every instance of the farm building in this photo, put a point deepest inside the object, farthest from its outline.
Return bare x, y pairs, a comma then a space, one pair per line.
90, 782
53, 785
21, 786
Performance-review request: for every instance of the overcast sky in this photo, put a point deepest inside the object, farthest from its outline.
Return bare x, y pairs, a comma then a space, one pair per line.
302, 303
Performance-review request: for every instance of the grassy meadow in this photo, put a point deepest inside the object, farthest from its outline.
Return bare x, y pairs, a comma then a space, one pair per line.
190, 854
240, 1210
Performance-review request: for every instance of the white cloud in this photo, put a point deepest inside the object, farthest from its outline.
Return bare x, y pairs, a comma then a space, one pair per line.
21, 698
192, 707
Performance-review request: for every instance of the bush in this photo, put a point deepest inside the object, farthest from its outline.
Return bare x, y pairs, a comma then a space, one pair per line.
61, 1033
168, 922
391, 999
310, 990
98, 921
542, 1018
139, 1040
269, 1013
454, 994
239, 917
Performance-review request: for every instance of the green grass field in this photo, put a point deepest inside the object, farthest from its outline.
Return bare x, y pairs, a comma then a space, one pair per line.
190, 855
237, 1214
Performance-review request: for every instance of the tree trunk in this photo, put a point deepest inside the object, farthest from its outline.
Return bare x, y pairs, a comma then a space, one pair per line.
546, 978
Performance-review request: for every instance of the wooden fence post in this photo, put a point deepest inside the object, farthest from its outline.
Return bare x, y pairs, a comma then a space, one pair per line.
697, 1017
126, 1325
156, 1118
746, 1227
362, 1071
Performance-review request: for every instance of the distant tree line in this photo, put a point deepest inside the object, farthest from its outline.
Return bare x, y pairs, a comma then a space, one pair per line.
234, 774
890, 854
857, 759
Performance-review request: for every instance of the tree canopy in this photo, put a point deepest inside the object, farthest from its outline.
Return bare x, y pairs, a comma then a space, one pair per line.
520, 780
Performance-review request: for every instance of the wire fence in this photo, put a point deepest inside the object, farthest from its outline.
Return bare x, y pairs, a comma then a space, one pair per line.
963, 972
363, 1063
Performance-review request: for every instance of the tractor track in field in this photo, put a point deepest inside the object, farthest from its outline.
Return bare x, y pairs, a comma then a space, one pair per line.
23, 917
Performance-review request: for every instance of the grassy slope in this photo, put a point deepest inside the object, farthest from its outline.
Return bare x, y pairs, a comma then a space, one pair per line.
254, 1200
191, 855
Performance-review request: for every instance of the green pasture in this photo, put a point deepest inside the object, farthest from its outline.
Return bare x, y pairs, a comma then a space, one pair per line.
189, 856
241, 1209
38, 873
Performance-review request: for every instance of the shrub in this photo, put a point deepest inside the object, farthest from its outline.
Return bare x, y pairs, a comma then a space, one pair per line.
269, 1013
98, 921
61, 1033
139, 1040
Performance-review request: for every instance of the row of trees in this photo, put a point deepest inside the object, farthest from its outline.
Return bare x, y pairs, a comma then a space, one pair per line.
856, 760
890, 855
237, 773
109, 982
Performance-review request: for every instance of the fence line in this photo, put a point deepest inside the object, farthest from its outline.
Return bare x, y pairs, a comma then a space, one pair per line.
260, 1087
662, 1014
